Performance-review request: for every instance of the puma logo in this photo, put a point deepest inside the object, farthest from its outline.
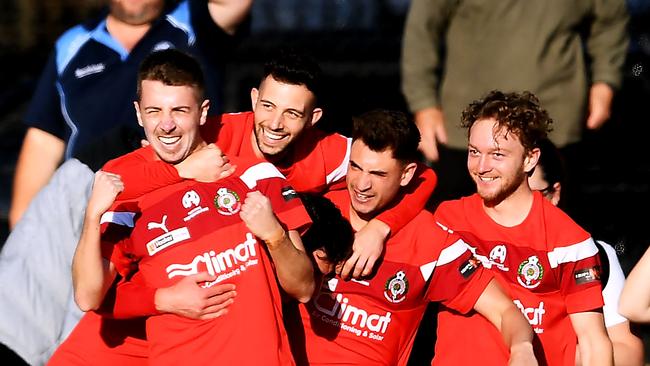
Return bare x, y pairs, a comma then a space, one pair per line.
155, 225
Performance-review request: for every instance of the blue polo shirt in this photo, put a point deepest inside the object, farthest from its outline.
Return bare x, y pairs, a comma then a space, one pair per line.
88, 86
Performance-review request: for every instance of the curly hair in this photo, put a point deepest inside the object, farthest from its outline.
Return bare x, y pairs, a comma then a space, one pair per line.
519, 113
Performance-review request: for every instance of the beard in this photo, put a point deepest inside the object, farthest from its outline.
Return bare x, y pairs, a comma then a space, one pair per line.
492, 199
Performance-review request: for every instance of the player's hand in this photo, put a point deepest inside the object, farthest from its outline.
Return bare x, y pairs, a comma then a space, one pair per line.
431, 123
522, 354
600, 105
208, 164
257, 214
188, 297
367, 248
106, 187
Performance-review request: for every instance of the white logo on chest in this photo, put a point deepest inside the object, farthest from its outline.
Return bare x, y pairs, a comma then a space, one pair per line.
161, 225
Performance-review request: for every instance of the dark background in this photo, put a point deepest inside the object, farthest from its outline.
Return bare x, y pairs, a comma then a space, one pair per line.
358, 44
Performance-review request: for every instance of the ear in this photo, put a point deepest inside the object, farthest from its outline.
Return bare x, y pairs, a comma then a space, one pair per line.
316, 115
557, 193
254, 95
407, 174
136, 105
205, 106
531, 159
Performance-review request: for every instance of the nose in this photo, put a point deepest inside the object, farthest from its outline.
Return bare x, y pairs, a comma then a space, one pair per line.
276, 122
484, 165
167, 125
363, 182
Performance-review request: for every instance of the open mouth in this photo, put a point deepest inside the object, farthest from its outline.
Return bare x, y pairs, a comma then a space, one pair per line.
274, 136
168, 140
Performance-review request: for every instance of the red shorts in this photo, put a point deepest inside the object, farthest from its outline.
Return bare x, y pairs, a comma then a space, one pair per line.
103, 341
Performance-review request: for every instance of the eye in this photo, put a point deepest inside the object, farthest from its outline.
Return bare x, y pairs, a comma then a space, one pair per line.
267, 106
498, 155
473, 152
293, 115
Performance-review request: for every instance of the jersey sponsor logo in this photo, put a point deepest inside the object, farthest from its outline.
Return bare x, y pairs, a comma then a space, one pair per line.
288, 193
498, 255
535, 315
340, 313
587, 275
228, 263
227, 201
155, 225
192, 200
89, 70
530, 272
162, 46
396, 288
487, 262
167, 239
468, 267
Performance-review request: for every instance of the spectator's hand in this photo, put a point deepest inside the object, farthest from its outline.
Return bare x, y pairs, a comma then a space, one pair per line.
189, 299
600, 105
522, 354
206, 165
106, 187
431, 123
257, 214
367, 248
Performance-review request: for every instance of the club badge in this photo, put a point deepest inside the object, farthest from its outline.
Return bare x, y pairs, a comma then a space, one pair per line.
530, 272
396, 288
227, 202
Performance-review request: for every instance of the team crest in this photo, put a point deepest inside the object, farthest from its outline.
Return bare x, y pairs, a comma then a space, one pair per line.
530, 272
227, 202
396, 288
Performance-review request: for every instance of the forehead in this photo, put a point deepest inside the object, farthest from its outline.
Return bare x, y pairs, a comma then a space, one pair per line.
281, 93
156, 92
486, 134
368, 159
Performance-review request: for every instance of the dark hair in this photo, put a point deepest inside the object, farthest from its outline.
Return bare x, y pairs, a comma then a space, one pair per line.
329, 230
552, 163
172, 67
296, 68
382, 129
520, 114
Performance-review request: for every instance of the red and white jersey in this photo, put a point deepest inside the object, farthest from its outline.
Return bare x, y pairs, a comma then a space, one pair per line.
191, 227
374, 321
549, 266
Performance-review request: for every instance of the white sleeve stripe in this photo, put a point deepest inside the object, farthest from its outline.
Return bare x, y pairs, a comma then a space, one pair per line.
260, 171
427, 270
119, 218
452, 252
342, 170
572, 253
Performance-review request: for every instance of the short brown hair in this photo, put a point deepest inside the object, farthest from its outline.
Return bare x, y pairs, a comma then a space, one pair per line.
172, 67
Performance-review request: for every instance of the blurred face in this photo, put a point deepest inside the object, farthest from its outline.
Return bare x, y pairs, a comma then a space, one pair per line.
282, 112
325, 266
136, 12
497, 161
537, 183
171, 116
374, 179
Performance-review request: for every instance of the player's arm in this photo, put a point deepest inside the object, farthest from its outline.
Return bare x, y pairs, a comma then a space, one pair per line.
595, 347
517, 334
39, 157
635, 298
628, 348
228, 14
92, 274
187, 298
294, 269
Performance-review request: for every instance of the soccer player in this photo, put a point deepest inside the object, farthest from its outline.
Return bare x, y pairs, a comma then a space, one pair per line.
547, 263
191, 227
373, 321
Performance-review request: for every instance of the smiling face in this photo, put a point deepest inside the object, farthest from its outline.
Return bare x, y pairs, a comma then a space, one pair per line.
282, 112
374, 179
497, 161
171, 116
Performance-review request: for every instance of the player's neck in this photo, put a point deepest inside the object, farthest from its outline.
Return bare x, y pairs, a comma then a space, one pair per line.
128, 35
512, 210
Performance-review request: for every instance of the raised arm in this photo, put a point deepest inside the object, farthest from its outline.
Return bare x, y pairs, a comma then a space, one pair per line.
517, 334
92, 274
228, 14
294, 269
635, 298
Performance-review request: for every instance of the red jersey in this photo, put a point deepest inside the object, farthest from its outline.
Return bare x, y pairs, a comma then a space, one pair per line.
374, 321
547, 264
190, 227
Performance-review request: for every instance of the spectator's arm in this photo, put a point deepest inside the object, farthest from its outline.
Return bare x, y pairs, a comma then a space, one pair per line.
228, 14
628, 348
635, 298
39, 157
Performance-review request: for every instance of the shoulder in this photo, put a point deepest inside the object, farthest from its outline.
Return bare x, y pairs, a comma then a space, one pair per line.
70, 43
455, 211
561, 229
253, 170
143, 154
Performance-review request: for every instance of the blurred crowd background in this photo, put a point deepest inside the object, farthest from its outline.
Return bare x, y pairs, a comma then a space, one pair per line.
358, 45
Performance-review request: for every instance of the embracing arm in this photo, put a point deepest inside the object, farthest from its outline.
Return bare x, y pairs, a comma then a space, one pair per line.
517, 334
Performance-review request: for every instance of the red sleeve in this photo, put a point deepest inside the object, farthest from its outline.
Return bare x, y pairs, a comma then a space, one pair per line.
459, 279
130, 299
412, 201
142, 174
579, 266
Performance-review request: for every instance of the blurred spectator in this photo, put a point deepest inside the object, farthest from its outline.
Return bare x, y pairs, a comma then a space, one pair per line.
85, 92
569, 54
